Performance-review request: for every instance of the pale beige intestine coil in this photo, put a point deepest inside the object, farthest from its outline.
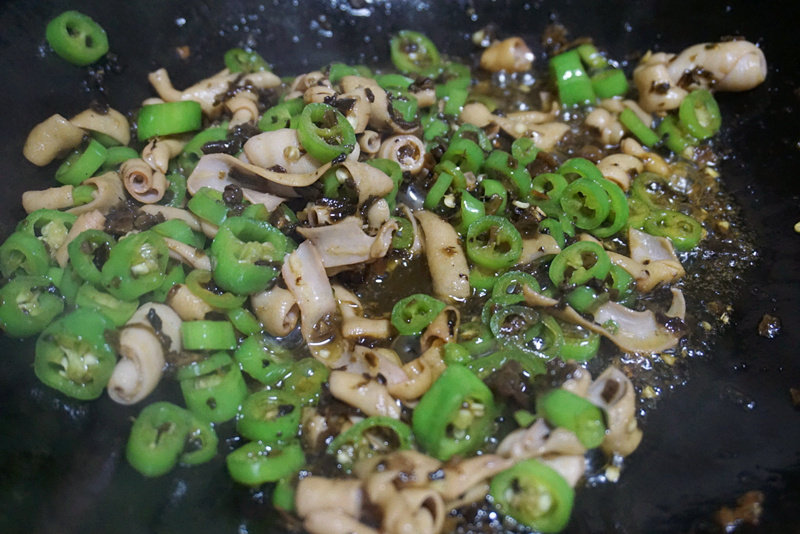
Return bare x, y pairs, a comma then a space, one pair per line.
406, 150
142, 182
111, 123
152, 331
50, 139
511, 55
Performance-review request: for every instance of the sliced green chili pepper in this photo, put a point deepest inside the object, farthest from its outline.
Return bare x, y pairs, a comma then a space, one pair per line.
281, 115
193, 151
175, 195
403, 238
621, 285
579, 263
49, 226
248, 255
216, 395
22, 252
475, 134
472, 209
392, 170
642, 131
411, 315
244, 321
246, 61
201, 442
412, 52
305, 379
208, 335
28, 304
325, 133
493, 195
117, 155
119, 311
370, 437
476, 338
684, 231
455, 415
454, 94
580, 344
516, 325
493, 242
434, 127
158, 438
699, 114
207, 204
180, 231
81, 165
498, 165
455, 353
466, 154
272, 416
524, 151
674, 136
283, 494
175, 275
655, 192
76, 38
554, 229
586, 299
534, 494
67, 281
618, 213
403, 106
88, 252
512, 282
437, 191
337, 71
532, 364
582, 167
565, 409
255, 463
483, 279
591, 57
136, 265
169, 118
546, 191
610, 83
264, 359
73, 356
586, 203
201, 285
573, 84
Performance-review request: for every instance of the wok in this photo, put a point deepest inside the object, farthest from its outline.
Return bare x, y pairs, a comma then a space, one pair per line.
731, 428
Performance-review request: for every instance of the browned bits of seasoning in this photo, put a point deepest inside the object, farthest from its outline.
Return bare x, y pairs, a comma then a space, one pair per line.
747, 511
795, 394
183, 52
770, 326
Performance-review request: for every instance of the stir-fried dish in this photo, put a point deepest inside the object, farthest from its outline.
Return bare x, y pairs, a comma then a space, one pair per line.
406, 296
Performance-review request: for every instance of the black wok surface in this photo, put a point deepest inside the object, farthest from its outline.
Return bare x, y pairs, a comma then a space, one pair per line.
732, 428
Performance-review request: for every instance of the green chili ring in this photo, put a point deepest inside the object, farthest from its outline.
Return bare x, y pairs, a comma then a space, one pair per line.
325, 133
411, 315
579, 263
699, 114
76, 38
412, 52
534, 494
586, 203
684, 231
370, 437
81, 165
493, 242
255, 463
271, 416
27, 305
169, 118
562, 408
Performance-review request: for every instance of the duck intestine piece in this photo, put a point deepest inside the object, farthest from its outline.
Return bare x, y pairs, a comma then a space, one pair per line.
280, 148
205, 92
346, 243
